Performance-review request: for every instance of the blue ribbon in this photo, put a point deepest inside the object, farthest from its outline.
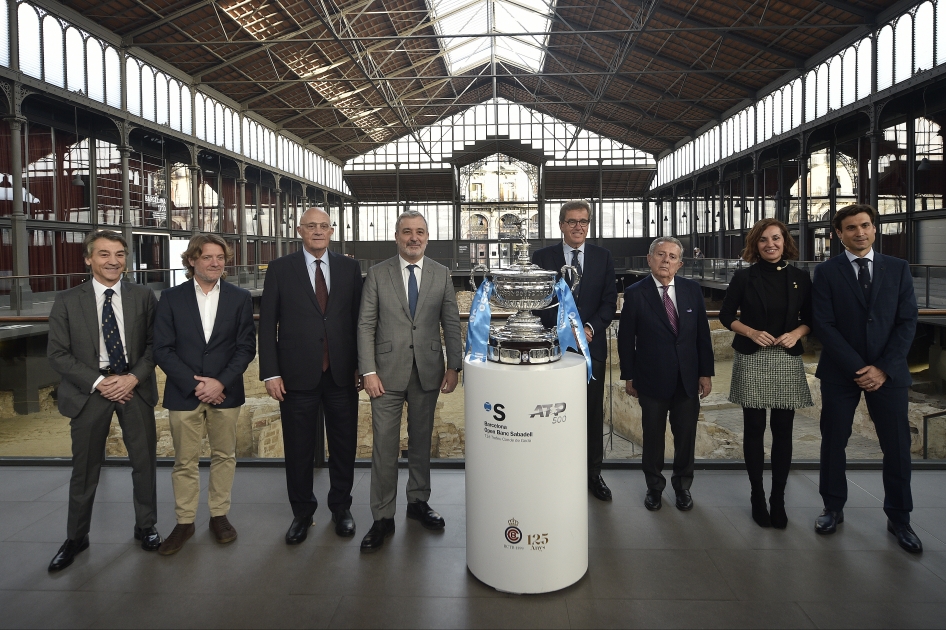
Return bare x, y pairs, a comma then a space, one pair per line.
477, 331
569, 326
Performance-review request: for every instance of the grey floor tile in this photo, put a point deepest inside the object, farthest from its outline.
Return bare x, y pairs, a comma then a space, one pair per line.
437, 612
18, 515
813, 575
218, 610
24, 565
615, 527
30, 484
674, 613
861, 489
935, 561
931, 519
924, 488
875, 614
52, 609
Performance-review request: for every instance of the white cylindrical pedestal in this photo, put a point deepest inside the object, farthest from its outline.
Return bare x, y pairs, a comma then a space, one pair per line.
526, 474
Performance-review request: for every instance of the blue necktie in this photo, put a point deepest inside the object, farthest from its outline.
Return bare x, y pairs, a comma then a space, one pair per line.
412, 289
113, 340
863, 276
576, 265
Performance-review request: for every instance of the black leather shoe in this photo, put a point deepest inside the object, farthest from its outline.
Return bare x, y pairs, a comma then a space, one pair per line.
828, 522
905, 536
599, 488
428, 517
150, 538
376, 535
652, 500
344, 522
298, 530
684, 500
68, 552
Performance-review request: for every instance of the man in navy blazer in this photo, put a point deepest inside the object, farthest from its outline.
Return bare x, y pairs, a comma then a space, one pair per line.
666, 363
204, 339
308, 357
864, 313
596, 298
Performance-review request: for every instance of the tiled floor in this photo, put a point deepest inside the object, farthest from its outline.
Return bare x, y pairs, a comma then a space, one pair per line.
712, 567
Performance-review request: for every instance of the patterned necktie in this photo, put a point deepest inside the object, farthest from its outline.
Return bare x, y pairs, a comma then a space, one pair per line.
113, 340
671, 311
863, 277
321, 296
412, 289
577, 265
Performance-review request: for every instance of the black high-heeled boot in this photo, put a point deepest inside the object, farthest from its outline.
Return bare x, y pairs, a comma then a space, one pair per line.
760, 514
777, 515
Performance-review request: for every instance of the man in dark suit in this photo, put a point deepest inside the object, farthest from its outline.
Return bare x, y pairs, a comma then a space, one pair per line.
308, 357
204, 339
596, 298
100, 343
666, 363
864, 313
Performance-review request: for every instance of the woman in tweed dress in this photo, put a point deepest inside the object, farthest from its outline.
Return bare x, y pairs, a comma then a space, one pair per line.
774, 301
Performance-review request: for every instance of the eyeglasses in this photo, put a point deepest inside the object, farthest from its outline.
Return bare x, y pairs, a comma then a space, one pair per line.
312, 227
574, 222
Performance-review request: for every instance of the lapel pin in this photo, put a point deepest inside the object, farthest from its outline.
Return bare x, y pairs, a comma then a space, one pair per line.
689, 310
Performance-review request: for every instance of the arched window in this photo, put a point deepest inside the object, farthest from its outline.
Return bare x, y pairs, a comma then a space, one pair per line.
187, 99
479, 227
821, 97
147, 92
174, 104
53, 56
133, 89
903, 48
113, 78
219, 135
864, 64
508, 227
849, 76
941, 29
161, 98
885, 58
923, 37
200, 126
95, 69
4, 39
834, 83
811, 90
797, 93
31, 61
228, 131
75, 61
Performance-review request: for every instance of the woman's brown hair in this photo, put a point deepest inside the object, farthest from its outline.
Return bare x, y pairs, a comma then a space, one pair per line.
751, 252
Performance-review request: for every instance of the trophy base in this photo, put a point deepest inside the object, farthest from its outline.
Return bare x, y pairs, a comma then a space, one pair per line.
501, 349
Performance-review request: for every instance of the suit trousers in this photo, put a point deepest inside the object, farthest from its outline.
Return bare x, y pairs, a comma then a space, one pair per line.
684, 412
386, 411
300, 418
888, 408
89, 434
187, 432
596, 418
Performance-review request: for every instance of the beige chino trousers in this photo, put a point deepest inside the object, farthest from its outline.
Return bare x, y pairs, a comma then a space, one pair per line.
187, 431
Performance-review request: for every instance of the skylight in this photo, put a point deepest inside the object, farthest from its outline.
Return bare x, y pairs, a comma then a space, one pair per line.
480, 18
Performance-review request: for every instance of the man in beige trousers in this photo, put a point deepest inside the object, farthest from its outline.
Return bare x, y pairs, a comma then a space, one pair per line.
204, 339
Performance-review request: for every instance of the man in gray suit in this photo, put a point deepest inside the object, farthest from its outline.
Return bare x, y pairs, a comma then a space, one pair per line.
100, 343
405, 302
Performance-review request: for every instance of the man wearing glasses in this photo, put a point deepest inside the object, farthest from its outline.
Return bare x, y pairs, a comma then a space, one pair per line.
596, 298
308, 358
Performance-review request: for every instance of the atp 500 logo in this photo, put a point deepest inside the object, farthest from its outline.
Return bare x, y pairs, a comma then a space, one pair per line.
498, 411
554, 410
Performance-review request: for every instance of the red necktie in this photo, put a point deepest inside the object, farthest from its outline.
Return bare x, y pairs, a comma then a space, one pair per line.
321, 296
671, 311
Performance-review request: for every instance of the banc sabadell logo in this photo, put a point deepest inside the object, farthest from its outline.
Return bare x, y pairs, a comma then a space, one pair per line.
498, 410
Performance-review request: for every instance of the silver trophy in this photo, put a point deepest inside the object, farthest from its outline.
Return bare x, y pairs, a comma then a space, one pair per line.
523, 287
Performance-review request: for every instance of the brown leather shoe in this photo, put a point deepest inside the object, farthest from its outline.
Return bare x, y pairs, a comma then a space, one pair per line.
174, 542
222, 530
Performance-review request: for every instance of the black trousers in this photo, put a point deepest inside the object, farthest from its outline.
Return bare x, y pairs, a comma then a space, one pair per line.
753, 447
888, 408
684, 412
596, 418
89, 434
300, 418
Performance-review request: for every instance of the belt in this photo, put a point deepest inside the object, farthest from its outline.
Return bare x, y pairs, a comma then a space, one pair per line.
109, 371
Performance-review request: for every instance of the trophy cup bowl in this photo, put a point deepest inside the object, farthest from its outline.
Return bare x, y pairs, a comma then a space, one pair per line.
523, 287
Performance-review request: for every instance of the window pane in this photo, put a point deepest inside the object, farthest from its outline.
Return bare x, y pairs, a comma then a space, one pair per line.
863, 67
821, 99
113, 78
811, 91
75, 61
53, 64
147, 93
903, 53
186, 109
95, 70
834, 83
4, 39
30, 58
174, 104
885, 58
200, 130
133, 88
849, 70
923, 37
941, 29
161, 96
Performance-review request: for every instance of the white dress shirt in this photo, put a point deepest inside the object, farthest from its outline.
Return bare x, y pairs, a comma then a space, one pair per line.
99, 290
207, 305
310, 266
671, 291
406, 274
857, 268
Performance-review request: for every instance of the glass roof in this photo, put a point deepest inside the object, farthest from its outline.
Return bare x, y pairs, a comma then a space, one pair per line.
480, 19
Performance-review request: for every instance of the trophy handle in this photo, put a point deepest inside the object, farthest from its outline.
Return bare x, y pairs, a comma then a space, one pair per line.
576, 275
481, 268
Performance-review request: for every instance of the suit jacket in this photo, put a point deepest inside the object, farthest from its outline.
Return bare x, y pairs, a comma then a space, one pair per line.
855, 332
389, 340
181, 351
746, 293
293, 329
597, 295
651, 355
73, 346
